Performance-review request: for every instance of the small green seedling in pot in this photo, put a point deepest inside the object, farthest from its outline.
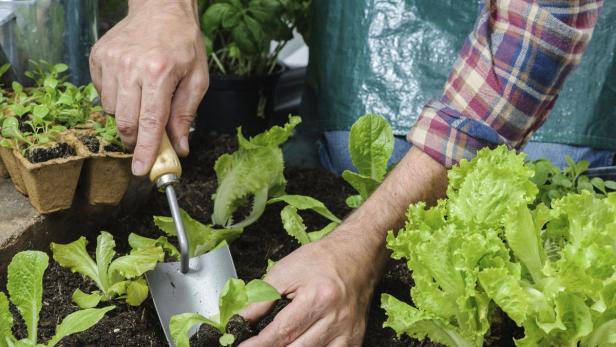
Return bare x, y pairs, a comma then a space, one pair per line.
25, 287
122, 277
293, 222
109, 132
202, 238
371, 144
235, 297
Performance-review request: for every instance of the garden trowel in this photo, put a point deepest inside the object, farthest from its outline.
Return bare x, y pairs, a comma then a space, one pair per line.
192, 284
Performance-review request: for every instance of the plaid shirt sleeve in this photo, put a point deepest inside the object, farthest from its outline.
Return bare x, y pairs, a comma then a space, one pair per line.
507, 76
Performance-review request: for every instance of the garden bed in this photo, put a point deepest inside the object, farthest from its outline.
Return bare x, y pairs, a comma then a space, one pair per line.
266, 239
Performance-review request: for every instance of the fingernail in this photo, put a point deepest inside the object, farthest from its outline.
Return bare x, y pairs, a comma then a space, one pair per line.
184, 144
138, 168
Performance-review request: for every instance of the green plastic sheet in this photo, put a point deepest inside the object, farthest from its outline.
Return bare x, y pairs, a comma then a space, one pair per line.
392, 56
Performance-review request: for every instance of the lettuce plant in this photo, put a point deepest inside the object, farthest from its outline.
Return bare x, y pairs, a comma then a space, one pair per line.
550, 269
293, 222
122, 277
254, 171
202, 238
371, 144
25, 287
235, 297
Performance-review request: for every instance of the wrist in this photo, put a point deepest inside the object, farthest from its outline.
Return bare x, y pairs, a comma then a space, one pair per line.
190, 6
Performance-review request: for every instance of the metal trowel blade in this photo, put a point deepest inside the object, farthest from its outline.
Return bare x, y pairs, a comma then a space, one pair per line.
194, 292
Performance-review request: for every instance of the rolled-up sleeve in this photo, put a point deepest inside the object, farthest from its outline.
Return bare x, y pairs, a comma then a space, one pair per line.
507, 76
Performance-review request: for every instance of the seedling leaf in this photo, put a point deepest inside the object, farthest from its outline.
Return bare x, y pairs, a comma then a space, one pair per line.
136, 292
6, 320
77, 322
202, 238
25, 287
84, 300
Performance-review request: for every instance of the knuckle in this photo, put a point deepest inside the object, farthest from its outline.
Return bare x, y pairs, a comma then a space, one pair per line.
111, 54
149, 121
127, 62
202, 83
158, 65
125, 127
329, 291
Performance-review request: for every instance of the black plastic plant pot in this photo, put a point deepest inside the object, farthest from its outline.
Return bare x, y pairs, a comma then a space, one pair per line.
233, 101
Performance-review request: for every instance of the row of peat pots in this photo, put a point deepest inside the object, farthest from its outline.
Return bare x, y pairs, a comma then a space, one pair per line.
77, 163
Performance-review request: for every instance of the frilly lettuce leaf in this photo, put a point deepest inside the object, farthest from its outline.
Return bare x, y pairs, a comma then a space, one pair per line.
254, 171
482, 190
550, 268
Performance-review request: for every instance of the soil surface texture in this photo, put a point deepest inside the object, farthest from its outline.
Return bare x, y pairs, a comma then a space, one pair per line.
43, 154
114, 148
266, 239
91, 142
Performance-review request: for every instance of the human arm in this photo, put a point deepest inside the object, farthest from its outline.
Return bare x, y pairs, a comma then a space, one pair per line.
487, 101
151, 71
332, 280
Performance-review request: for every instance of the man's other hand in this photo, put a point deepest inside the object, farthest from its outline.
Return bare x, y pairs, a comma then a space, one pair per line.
151, 71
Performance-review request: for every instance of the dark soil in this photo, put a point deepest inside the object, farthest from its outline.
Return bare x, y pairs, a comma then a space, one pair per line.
262, 241
114, 148
237, 326
118, 328
43, 154
23, 126
91, 142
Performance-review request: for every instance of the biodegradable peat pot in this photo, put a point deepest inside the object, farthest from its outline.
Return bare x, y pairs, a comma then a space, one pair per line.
4, 173
233, 101
51, 184
12, 166
106, 172
105, 177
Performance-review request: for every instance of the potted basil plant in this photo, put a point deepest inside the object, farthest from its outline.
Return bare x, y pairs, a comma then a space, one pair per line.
243, 39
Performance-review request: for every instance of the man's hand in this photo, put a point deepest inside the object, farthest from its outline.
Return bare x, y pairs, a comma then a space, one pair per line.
330, 282
330, 285
151, 71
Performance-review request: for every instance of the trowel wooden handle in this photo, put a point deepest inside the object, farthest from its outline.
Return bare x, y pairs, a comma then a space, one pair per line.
167, 161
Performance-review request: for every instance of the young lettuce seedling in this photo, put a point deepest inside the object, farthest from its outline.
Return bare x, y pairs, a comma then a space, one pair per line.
293, 222
371, 144
554, 183
254, 170
122, 277
109, 132
236, 296
202, 238
25, 287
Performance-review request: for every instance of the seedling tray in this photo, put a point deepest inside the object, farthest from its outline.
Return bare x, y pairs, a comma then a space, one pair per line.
105, 176
51, 185
4, 173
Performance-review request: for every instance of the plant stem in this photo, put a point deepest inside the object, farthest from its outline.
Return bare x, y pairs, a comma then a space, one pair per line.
218, 63
274, 56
